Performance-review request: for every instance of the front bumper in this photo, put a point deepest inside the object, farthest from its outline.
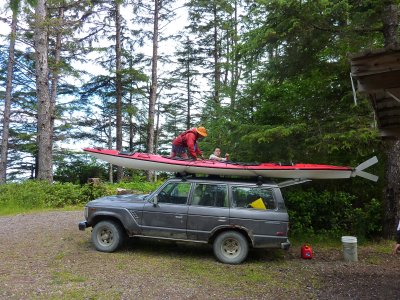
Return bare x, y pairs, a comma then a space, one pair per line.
83, 225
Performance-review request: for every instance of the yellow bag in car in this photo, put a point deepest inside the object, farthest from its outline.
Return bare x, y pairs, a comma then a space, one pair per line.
258, 204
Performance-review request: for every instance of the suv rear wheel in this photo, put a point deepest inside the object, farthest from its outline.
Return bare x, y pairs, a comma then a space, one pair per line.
231, 247
107, 236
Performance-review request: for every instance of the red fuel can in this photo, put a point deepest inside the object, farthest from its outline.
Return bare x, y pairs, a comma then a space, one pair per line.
306, 252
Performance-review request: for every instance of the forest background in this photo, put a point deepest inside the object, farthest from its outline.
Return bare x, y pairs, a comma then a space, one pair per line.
268, 79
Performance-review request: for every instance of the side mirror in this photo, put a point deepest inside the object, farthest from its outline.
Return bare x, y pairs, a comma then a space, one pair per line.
155, 201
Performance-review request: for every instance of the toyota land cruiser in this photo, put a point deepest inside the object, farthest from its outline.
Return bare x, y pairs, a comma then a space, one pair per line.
231, 214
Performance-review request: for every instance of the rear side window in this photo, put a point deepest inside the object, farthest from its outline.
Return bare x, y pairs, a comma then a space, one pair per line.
210, 195
253, 197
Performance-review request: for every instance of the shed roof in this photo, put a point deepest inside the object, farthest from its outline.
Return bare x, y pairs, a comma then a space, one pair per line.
378, 75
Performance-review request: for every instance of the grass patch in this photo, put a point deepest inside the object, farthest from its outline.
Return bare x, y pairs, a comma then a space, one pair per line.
63, 277
383, 246
257, 275
60, 256
7, 211
322, 241
121, 266
374, 260
83, 293
328, 242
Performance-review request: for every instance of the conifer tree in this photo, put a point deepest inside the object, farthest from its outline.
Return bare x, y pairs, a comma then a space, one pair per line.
184, 88
14, 5
45, 143
390, 20
215, 25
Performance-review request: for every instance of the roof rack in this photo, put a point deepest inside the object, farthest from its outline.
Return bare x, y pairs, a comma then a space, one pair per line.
259, 180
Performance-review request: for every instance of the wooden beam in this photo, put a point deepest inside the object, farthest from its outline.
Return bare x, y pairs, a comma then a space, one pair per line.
379, 82
375, 63
378, 75
390, 132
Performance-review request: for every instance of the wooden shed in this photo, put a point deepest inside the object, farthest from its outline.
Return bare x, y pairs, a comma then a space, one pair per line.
378, 75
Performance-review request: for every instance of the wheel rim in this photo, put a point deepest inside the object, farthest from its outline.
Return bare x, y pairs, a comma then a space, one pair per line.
105, 237
231, 248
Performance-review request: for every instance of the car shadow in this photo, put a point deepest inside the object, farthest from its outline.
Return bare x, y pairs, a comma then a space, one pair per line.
194, 250
168, 247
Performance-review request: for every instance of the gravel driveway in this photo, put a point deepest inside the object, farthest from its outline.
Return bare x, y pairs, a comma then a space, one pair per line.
45, 256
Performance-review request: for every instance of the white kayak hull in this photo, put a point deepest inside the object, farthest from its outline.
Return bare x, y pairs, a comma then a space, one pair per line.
144, 161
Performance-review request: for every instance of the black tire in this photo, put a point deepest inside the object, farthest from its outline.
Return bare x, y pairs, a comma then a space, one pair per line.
231, 247
108, 236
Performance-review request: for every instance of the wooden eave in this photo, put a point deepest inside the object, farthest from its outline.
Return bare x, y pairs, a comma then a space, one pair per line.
378, 75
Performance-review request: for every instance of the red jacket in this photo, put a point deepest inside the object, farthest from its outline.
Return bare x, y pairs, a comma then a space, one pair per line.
188, 139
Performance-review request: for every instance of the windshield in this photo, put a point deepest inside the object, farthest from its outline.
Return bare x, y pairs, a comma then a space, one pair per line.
148, 197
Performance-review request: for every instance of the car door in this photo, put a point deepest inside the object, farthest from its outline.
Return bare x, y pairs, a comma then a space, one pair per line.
168, 217
255, 208
208, 210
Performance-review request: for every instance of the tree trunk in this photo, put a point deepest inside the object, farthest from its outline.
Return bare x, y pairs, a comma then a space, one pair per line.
44, 140
188, 91
217, 67
392, 170
235, 71
56, 71
7, 103
110, 166
131, 124
392, 190
153, 87
157, 136
131, 109
157, 131
390, 24
118, 83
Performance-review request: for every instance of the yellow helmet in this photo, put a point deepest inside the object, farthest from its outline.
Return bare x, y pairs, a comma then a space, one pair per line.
202, 131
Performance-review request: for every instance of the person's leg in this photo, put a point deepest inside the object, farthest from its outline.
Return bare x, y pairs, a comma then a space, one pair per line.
174, 151
396, 249
179, 151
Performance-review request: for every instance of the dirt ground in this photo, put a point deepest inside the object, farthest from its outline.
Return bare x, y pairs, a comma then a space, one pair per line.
45, 256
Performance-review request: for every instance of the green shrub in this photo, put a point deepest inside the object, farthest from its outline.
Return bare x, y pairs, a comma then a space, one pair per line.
137, 185
35, 195
78, 170
92, 191
28, 195
331, 213
62, 194
32, 194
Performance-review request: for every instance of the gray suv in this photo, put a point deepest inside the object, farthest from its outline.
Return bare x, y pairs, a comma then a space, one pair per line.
232, 215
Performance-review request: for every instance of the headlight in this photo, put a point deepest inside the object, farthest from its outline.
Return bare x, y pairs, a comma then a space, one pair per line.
86, 212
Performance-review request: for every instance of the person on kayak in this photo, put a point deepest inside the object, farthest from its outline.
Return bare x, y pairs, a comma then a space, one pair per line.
217, 155
186, 143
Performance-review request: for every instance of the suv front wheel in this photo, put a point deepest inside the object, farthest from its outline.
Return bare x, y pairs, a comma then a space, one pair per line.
107, 236
231, 247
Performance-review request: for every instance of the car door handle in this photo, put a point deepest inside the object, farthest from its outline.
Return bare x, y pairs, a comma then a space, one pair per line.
179, 217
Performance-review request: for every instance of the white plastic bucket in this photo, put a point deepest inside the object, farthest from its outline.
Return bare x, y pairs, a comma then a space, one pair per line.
350, 248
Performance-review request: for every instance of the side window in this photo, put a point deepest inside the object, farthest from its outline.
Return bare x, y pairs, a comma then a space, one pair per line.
253, 197
174, 192
210, 195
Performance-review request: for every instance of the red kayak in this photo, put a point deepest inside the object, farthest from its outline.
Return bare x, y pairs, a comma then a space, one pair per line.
146, 161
